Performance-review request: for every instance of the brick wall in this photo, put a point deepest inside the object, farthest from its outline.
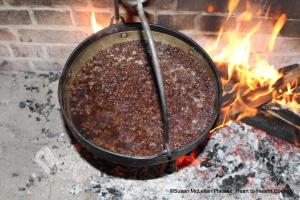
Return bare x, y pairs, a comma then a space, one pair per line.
41, 34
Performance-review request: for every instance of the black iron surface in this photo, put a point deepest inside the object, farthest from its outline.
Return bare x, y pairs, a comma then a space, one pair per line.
137, 161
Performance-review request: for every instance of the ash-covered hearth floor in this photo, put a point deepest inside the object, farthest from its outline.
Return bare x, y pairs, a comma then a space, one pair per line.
40, 159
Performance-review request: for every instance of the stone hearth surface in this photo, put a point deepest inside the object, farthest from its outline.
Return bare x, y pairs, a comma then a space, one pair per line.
41, 160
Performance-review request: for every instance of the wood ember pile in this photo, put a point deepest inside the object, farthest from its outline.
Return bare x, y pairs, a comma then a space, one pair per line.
250, 164
242, 162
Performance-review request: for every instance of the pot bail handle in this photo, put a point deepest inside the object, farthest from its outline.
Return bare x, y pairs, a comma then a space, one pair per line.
158, 75
115, 18
117, 10
157, 71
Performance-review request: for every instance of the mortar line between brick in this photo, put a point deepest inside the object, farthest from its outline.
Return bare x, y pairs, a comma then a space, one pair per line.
90, 9
49, 27
46, 54
8, 42
174, 12
155, 19
197, 21
10, 51
14, 31
90, 3
73, 16
32, 17
61, 8
18, 8
175, 5
28, 59
9, 7
59, 44
5, 3
31, 65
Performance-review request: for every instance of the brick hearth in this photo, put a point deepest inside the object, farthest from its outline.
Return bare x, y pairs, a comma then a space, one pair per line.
39, 157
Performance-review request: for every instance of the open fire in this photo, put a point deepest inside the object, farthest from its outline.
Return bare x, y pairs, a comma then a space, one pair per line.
251, 75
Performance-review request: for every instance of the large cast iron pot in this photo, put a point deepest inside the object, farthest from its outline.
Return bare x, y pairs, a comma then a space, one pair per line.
122, 32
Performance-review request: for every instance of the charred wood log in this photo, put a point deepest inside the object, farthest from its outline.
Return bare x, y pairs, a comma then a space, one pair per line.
281, 123
281, 112
290, 74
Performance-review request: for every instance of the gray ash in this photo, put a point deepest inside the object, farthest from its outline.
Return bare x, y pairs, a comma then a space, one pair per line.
96, 188
42, 109
262, 164
236, 182
115, 192
30, 182
22, 104
47, 133
51, 76
277, 171
33, 89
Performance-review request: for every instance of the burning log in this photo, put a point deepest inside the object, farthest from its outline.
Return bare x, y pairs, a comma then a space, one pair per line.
282, 112
289, 74
271, 118
281, 123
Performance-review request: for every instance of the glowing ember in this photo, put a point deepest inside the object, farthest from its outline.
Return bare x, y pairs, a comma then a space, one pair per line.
184, 161
96, 27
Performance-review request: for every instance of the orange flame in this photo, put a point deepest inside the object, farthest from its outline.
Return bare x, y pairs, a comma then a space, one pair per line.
232, 4
247, 15
236, 54
280, 22
288, 98
268, 11
96, 27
